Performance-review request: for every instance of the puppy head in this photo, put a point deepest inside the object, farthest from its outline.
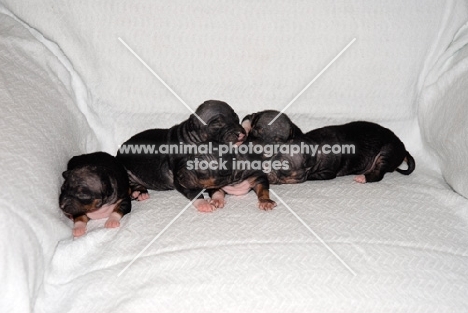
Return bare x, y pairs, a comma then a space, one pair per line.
86, 189
281, 130
222, 123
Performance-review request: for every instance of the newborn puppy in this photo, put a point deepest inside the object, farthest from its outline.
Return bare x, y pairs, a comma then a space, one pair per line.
168, 171
96, 186
282, 132
377, 149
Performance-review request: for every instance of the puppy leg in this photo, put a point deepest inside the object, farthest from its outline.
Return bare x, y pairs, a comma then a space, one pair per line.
140, 196
124, 207
204, 206
377, 172
113, 221
322, 175
360, 179
139, 192
261, 187
200, 203
79, 227
389, 158
217, 197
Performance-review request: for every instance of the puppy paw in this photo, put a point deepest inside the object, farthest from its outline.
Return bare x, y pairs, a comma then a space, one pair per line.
140, 196
218, 203
113, 221
266, 204
203, 205
79, 230
360, 179
143, 196
217, 199
112, 224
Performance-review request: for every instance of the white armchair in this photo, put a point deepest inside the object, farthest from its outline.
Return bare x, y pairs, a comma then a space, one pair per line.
69, 86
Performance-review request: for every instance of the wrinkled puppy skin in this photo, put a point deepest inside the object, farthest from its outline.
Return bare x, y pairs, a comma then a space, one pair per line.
96, 186
377, 149
167, 171
295, 168
281, 130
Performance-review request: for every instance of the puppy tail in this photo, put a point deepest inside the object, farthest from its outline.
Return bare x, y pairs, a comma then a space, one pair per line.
411, 165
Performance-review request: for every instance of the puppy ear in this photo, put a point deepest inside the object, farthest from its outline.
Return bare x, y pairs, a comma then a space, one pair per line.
65, 174
104, 188
295, 131
247, 123
292, 132
247, 118
196, 127
193, 123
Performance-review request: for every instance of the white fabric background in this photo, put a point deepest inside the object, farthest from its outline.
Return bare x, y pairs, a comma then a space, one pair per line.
254, 55
444, 112
41, 129
78, 89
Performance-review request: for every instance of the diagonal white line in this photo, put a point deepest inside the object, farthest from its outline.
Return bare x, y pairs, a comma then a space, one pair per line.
160, 233
160, 79
313, 233
313, 80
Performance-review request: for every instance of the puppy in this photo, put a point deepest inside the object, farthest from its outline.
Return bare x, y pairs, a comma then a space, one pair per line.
173, 171
282, 132
96, 186
377, 150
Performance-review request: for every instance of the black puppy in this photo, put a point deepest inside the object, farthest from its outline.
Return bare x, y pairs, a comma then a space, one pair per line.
377, 150
96, 186
176, 171
372, 150
283, 132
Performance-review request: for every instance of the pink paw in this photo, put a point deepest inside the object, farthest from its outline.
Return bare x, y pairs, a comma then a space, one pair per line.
203, 206
218, 203
113, 221
266, 204
140, 196
360, 179
143, 196
217, 199
110, 223
79, 231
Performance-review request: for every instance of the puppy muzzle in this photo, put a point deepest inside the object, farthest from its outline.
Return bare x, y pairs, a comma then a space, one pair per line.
235, 136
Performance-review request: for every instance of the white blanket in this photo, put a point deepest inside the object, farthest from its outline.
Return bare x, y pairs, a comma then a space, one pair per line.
405, 238
444, 112
254, 55
79, 89
41, 129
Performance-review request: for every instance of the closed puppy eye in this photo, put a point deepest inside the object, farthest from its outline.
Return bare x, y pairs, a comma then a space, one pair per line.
216, 123
83, 196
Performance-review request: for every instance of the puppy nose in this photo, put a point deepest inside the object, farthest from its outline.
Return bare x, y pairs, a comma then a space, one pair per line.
63, 203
